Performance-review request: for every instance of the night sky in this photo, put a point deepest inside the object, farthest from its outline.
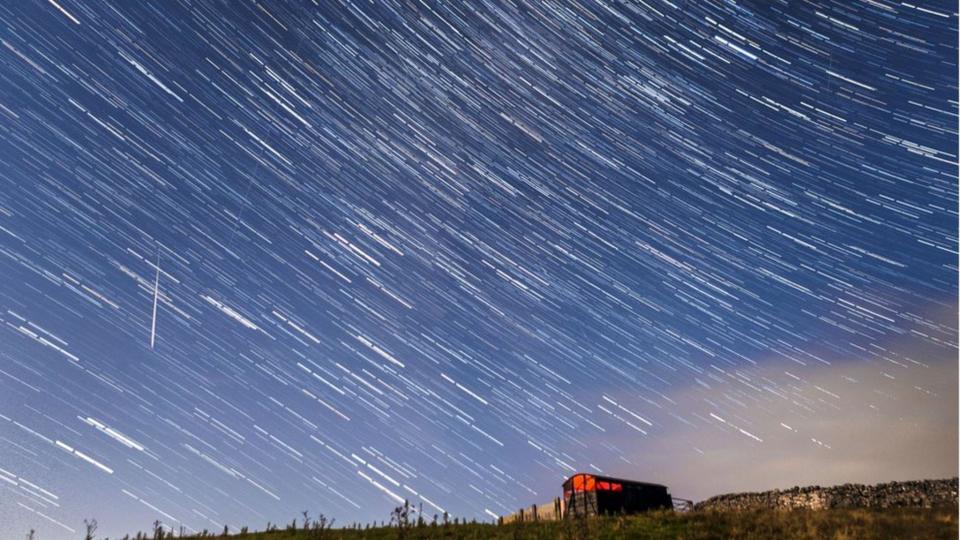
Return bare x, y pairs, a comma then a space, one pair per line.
260, 257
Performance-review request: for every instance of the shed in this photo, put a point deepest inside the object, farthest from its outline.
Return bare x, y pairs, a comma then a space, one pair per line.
589, 494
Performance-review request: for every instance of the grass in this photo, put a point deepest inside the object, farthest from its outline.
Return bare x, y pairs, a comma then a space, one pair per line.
834, 524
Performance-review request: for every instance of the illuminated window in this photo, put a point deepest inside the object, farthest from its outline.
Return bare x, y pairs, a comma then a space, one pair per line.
584, 482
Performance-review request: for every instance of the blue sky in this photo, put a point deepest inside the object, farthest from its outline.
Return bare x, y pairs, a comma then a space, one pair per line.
455, 253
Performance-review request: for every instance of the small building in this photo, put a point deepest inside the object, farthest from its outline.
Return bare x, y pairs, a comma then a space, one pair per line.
590, 495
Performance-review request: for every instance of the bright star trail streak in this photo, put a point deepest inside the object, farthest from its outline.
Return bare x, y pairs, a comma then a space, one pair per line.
455, 252
156, 295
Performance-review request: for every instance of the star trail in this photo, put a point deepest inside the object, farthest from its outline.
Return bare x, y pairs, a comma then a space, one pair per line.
261, 257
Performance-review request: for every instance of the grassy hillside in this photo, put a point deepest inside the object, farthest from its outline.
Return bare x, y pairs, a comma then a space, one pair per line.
835, 523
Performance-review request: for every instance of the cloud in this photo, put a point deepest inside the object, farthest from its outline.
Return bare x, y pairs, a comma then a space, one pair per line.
891, 416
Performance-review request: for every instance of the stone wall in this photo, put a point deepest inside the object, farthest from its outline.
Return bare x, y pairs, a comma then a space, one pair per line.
918, 493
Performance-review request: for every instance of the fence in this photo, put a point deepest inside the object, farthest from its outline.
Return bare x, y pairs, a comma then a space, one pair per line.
557, 510
552, 511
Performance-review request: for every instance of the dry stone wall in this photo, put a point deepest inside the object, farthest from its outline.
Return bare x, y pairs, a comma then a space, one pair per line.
918, 493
